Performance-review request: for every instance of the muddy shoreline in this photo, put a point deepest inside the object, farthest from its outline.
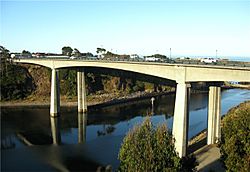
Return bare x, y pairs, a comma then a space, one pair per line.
92, 104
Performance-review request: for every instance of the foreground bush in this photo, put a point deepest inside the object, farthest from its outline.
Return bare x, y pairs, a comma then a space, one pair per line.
235, 141
148, 149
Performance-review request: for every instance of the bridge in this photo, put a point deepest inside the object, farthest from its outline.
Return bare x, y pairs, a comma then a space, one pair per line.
182, 74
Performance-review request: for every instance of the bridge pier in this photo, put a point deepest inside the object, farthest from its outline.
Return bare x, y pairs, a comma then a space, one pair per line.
81, 91
214, 108
181, 117
55, 94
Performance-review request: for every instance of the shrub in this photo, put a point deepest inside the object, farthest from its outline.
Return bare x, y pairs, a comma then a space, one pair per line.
235, 139
145, 148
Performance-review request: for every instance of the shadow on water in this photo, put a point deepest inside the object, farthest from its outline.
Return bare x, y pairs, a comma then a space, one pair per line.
63, 157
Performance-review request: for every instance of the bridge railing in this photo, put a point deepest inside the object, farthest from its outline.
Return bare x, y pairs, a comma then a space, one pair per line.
171, 61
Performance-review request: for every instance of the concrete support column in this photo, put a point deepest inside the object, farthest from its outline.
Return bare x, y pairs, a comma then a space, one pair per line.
81, 91
55, 93
55, 130
84, 93
181, 117
214, 108
82, 124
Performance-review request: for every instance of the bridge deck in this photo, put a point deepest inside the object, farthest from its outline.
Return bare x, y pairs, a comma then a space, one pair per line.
177, 72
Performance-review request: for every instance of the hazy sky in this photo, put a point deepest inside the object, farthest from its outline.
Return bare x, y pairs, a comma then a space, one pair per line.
142, 27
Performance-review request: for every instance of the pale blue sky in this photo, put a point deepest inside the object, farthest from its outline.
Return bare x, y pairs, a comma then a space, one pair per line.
142, 27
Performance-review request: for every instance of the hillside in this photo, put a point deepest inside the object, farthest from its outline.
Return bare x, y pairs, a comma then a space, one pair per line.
32, 82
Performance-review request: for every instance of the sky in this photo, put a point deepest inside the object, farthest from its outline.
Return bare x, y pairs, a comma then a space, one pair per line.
189, 28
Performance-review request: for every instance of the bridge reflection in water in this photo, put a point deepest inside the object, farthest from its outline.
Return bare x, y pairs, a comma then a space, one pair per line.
82, 126
56, 128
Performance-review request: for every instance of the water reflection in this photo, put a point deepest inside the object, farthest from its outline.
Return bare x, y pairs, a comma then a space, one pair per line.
82, 124
198, 101
111, 122
7, 143
55, 130
106, 129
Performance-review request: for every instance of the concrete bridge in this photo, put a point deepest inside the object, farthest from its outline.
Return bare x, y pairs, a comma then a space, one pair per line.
183, 75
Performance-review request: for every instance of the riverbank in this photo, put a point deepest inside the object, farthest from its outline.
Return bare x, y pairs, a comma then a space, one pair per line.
93, 101
227, 85
203, 134
208, 156
98, 100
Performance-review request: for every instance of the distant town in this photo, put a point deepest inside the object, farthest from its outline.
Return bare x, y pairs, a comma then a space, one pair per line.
103, 54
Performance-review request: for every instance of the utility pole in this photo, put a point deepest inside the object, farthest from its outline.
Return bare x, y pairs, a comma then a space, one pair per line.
170, 54
216, 53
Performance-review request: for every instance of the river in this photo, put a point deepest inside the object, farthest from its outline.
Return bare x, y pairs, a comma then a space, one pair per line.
84, 141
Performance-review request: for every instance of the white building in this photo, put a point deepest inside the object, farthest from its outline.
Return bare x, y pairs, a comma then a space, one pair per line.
134, 56
152, 59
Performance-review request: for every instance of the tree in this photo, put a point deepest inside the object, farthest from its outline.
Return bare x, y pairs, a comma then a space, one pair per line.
160, 56
67, 51
76, 53
110, 55
4, 53
4, 56
25, 52
100, 50
15, 80
235, 139
69, 86
145, 148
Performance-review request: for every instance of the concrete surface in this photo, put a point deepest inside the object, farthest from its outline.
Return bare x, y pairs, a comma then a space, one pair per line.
208, 158
178, 72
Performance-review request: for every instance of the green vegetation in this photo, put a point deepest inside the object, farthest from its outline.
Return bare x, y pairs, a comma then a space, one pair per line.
76, 53
67, 51
235, 141
20, 81
68, 84
26, 53
100, 50
15, 80
146, 148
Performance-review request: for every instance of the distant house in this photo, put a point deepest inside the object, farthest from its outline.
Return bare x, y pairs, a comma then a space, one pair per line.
88, 55
134, 56
152, 59
38, 55
92, 57
19, 55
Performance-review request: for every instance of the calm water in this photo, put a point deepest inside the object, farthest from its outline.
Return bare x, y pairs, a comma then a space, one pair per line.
84, 141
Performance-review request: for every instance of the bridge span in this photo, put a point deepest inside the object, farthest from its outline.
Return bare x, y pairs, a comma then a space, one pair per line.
182, 74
